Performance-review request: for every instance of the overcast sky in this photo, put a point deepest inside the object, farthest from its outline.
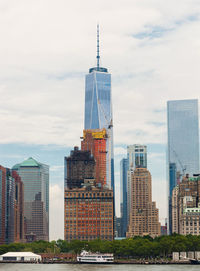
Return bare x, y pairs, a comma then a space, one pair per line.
152, 50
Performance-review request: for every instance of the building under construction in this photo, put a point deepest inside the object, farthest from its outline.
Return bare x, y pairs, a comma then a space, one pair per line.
79, 165
94, 140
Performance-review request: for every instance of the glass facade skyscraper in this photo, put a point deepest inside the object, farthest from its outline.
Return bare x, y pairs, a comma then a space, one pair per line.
98, 109
183, 143
123, 195
35, 177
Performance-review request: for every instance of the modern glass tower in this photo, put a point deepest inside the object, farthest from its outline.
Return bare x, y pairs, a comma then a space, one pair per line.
123, 195
35, 177
98, 108
183, 143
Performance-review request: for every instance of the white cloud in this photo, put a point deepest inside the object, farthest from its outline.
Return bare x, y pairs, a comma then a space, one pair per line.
57, 168
43, 61
56, 212
120, 151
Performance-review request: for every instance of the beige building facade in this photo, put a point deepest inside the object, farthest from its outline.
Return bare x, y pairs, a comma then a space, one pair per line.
144, 216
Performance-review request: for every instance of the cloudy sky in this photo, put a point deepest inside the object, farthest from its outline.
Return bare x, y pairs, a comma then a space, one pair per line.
152, 50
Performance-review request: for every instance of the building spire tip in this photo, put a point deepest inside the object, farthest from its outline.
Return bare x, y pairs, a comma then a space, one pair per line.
98, 56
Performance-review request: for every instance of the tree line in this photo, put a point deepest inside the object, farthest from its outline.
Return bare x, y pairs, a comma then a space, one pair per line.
136, 247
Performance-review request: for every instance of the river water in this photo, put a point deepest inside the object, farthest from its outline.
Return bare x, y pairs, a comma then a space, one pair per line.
93, 267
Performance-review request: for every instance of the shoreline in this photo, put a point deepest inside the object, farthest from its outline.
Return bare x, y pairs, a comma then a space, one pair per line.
114, 263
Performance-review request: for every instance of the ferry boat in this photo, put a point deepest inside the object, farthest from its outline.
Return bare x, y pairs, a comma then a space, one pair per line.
89, 257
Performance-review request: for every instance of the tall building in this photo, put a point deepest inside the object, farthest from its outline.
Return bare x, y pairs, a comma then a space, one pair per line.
18, 209
144, 217
10, 204
186, 206
95, 142
183, 144
79, 165
123, 195
98, 108
136, 157
35, 177
9, 207
2, 205
88, 212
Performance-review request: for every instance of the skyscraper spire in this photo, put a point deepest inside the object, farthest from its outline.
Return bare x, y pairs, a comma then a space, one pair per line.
98, 56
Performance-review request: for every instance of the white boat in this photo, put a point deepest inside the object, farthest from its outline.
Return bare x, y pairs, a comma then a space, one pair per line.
89, 257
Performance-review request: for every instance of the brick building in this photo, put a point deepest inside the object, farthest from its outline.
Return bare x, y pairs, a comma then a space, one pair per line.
88, 212
144, 217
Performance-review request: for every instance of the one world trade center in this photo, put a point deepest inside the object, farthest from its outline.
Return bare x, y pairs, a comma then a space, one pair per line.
98, 109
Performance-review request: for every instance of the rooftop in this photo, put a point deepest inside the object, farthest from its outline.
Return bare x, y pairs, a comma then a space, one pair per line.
30, 162
16, 254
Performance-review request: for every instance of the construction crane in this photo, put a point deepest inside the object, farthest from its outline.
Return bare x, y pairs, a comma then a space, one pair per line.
109, 123
182, 167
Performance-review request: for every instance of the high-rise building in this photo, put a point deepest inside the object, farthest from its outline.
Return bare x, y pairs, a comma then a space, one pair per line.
10, 204
79, 165
88, 212
9, 207
18, 209
2, 205
95, 142
35, 177
98, 109
183, 144
136, 157
186, 206
123, 195
144, 218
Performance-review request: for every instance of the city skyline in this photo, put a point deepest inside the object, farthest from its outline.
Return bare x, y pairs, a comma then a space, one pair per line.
151, 51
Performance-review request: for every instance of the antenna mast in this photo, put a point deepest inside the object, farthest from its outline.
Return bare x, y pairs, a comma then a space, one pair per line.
98, 56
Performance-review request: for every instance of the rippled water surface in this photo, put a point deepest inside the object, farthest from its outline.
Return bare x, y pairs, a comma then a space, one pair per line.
85, 267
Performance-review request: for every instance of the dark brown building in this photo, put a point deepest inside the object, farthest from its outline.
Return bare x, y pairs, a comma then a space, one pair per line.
79, 165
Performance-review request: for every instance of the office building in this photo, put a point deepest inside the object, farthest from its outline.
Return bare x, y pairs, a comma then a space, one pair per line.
123, 196
136, 157
95, 142
186, 206
35, 177
98, 109
144, 217
18, 209
79, 165
183, 144
9, 207
2, 205
88, 212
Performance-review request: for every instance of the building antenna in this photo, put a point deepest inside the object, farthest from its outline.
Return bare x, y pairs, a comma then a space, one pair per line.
98, 56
